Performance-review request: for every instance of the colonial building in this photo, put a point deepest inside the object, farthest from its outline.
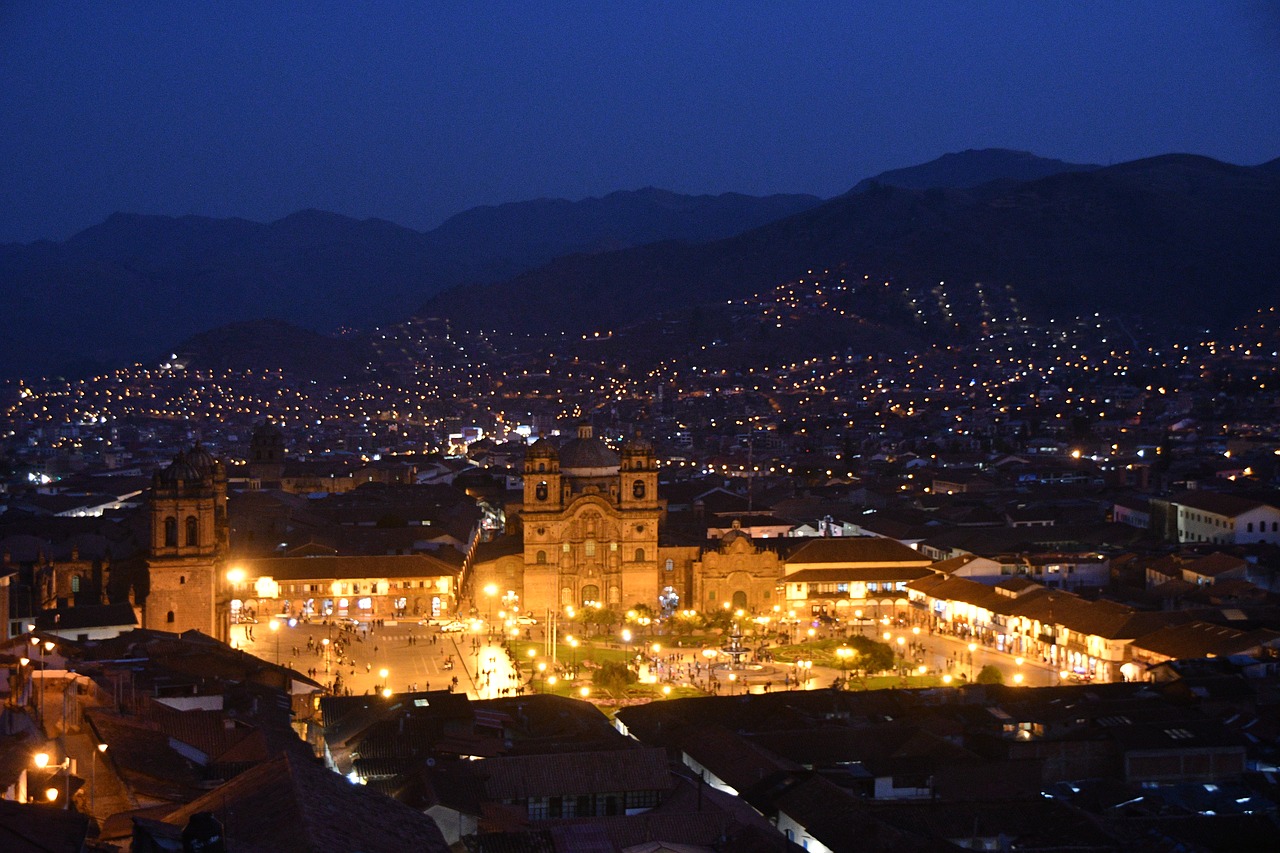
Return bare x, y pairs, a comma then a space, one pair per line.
185, 562
838, 577
738, 574
590, 523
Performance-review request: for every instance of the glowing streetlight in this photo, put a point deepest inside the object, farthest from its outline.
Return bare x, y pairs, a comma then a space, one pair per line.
93, 775
42, 761
844, 653
490, 590
274, 625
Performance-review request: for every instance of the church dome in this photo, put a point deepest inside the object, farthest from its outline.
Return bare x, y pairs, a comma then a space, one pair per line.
587, 453
200, 459
179, 470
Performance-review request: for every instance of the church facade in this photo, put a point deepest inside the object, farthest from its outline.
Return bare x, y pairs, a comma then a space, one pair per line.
590, 524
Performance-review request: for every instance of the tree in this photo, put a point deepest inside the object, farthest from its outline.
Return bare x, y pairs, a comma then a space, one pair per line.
614, 676
873, 656
989, 674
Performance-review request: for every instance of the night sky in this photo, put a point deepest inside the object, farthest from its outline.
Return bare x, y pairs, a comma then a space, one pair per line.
413, 111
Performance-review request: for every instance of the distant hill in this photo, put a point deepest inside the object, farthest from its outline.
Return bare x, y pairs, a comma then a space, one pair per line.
972, 168
134, 285
1179, 238
257, 344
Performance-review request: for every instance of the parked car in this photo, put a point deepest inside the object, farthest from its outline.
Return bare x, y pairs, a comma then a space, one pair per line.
436, 621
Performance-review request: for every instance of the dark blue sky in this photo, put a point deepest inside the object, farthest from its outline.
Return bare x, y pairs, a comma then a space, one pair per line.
414, 110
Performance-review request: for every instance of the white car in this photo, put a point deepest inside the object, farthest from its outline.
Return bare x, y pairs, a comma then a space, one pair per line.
436, 621
453, 626
525, 620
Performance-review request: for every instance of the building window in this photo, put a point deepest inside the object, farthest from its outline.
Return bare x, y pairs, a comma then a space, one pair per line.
169, 617
541, 491
171, 532
639, 555
75, 583
589, 547
637, 489
193, 531
182, 579
541, 558
1251, 527
669, 566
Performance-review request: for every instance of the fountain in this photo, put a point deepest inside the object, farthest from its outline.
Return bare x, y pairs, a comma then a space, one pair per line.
737, 669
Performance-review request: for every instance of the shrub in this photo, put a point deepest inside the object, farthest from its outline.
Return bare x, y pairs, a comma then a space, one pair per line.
989, 674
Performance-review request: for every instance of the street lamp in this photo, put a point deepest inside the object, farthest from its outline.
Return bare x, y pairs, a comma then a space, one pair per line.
733, 678
857, 614
383, 673
490, 590
844, 653
274, 625
325, 643
93, 775
573, 644
805, 666
973, 647
51, 793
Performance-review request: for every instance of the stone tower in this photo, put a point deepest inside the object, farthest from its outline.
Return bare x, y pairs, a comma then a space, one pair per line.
266, 457
188, 547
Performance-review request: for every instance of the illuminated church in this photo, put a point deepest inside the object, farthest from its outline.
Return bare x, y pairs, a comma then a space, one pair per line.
590, 523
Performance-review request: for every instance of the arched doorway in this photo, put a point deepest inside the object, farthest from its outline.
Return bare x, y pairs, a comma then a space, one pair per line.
590, 595
739, 600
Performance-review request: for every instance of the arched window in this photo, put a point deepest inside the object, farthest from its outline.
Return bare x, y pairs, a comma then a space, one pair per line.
670, 565
542, 466
171, 532
541, 491
639, 555
182, 579
169, 618
193, 531
541, 558
589, 547
637, 489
